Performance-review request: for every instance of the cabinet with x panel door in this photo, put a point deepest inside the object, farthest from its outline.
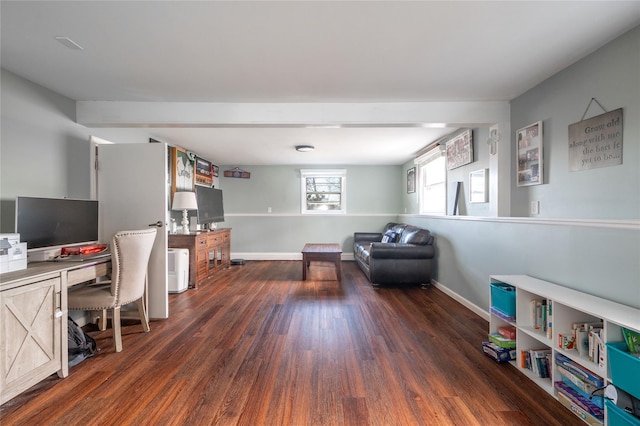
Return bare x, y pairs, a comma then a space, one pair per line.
31, 323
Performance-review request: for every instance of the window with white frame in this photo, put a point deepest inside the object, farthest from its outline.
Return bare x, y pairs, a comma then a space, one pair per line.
433, 182
324, 191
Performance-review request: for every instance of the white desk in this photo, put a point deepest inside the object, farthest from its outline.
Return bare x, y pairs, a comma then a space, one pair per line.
33, 321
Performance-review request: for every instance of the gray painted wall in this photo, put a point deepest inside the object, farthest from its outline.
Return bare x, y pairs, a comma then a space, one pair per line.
612, 76
372, 198
599, 255
370, 189
44, 152
282, 237
603, 261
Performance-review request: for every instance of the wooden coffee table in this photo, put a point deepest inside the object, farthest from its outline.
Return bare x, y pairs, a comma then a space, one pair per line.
322, 253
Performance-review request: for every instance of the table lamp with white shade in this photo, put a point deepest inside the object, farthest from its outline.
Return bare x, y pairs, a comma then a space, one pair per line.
184, 201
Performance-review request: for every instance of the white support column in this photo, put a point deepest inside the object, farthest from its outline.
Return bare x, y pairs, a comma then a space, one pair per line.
500, 169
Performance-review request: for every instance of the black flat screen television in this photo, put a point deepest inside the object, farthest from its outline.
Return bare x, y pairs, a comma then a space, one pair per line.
56, 222
210, 205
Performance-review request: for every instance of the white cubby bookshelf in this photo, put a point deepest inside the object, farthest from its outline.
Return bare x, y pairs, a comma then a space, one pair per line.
568, 306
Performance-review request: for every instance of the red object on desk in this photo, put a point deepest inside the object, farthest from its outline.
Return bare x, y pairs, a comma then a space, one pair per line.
88, 249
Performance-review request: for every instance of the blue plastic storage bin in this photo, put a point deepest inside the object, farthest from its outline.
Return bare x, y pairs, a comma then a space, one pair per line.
625, 368
616, 416
503, 298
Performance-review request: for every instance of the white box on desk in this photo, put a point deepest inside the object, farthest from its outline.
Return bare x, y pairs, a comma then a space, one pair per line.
13, 239
15, 259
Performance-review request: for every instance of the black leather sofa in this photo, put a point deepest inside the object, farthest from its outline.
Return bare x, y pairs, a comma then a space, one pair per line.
408, 260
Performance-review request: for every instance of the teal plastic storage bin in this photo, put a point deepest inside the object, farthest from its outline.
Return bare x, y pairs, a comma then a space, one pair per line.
616, 416
503, 298
625, 368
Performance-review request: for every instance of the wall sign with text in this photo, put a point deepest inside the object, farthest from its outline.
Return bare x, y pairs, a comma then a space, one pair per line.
596, 142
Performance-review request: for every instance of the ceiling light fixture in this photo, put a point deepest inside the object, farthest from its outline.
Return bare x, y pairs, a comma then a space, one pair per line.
323, 126
434, 125
305, 148
69, 43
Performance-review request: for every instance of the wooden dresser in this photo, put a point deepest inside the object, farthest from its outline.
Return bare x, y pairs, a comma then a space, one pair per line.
209, 252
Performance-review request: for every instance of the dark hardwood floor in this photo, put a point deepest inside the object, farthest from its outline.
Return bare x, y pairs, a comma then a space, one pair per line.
258, 346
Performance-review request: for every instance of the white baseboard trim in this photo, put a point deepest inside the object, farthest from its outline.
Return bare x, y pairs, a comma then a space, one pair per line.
455, 296
280, 256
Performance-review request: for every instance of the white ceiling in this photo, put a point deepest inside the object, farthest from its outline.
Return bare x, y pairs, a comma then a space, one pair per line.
302, 51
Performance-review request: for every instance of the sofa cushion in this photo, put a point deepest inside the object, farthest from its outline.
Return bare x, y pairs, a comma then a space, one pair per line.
415, 235
398, 228
390, 237
363, 252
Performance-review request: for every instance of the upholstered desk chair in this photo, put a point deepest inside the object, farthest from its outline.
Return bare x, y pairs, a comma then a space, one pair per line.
130, 252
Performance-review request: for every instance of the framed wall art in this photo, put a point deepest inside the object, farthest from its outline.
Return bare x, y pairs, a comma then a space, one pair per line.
478, 186
529, 155
204, 175
182, 171
237, 172
460, 150
411, 180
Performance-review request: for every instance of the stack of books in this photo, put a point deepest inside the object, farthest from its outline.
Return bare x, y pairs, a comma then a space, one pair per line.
497, 353
505, 337
586, 339
576, 390
537, 360
541, 315
501, 345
